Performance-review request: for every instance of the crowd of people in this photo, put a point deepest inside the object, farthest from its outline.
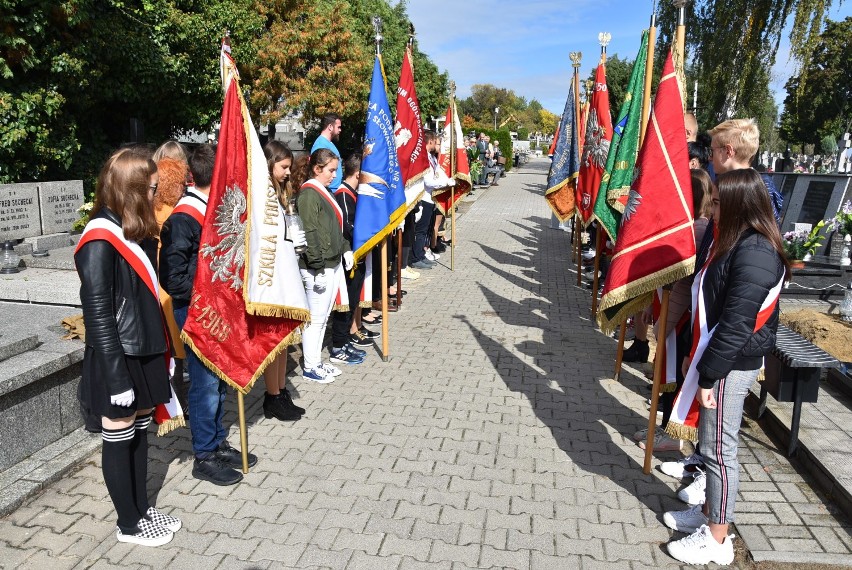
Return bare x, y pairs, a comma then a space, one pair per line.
137, 260
138, 255
721, 322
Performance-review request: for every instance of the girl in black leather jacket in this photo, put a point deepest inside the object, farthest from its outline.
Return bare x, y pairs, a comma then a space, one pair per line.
125, 371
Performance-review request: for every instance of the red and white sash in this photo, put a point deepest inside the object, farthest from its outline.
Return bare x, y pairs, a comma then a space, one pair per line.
169, 415
192, 205
341, 297
683, 422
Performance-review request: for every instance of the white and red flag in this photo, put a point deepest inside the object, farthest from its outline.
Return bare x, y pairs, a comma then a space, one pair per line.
656, 243
248, 302
458, 169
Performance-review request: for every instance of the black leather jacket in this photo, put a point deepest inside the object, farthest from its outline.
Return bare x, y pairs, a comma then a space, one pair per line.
735, 286
121, 315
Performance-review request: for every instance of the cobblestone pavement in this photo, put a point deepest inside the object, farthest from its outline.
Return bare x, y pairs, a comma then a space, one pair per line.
493, 437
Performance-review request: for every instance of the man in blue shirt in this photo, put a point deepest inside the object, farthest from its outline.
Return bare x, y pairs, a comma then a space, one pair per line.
329, 132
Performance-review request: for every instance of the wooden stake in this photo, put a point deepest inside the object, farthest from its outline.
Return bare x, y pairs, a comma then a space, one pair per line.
659, 359
241, 412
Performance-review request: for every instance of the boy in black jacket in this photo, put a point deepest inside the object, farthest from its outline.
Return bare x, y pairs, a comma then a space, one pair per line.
215, 459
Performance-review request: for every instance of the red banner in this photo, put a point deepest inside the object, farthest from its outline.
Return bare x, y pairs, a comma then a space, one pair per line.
595, 147
408, 130
656, 244
235, 345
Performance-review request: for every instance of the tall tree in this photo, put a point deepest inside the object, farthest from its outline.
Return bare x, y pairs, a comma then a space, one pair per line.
821, 108
732, 44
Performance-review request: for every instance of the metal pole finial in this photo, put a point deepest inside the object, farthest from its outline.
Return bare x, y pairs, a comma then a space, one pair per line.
603, 39
377, 26
452, 89
576, 57
410, 34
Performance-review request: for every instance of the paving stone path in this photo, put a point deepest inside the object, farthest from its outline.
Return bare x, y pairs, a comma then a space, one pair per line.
493, 437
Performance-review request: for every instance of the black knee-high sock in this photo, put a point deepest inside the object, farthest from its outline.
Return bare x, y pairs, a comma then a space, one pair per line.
139, 456
118, 475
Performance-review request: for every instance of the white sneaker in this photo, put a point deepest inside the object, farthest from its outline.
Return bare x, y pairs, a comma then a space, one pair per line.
664, 442
687, 521
431, 256
150, 534
701, 548
590, 254
688, 466
693, 494
318, 375
331, 369
410, 274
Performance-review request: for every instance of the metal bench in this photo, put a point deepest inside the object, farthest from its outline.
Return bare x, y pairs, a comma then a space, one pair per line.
793, 371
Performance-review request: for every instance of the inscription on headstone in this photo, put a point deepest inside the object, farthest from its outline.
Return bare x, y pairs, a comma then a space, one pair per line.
58, 202
816, 201
19, 213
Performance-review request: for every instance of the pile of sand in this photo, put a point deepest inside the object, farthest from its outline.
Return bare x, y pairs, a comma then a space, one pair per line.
826, 331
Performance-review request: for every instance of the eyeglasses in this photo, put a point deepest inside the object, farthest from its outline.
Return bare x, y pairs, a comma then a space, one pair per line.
723, 147
153, 188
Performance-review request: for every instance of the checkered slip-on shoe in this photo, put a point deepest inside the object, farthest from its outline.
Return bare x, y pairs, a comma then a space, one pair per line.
149, 534
162, 519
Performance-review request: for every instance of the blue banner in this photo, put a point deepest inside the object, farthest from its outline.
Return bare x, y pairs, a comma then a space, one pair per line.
562, 179
381, 192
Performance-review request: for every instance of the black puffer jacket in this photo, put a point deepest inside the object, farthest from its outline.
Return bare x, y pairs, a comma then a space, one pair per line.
735, 287
121, 315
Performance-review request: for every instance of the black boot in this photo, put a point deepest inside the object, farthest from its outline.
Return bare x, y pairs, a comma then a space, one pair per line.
275, 407
288, 402
638, 352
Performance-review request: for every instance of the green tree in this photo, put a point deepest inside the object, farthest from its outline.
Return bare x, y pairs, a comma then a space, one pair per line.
75, 73
821, 108
617, 76
732, 44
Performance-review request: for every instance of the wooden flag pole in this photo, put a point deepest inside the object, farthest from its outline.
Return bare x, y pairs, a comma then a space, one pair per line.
680, 45
385, 343
649, 79
603, 38
595, 279
241, 413
453, 166
399, 262
659, 363
578, 237
576, 59
646, 113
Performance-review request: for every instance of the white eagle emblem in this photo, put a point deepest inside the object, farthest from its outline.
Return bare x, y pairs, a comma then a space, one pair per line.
400, 136
634, 200
596, 147
228, 256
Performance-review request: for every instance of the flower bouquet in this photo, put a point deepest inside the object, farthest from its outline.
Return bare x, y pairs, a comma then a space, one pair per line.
798, 244
842, 220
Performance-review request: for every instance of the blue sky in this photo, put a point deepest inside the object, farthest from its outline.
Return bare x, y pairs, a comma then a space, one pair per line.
523, 45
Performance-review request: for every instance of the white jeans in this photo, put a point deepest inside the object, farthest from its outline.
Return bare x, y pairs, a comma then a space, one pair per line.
320, 304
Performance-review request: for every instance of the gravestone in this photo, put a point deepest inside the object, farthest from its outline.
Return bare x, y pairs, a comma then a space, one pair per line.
58, 202
19, 211
816, 201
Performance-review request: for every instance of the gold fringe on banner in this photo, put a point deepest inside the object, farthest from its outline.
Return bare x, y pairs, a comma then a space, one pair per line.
170, 424
295, 337
680, 431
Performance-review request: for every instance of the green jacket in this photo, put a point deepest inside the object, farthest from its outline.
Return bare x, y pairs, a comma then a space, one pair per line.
326, 244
